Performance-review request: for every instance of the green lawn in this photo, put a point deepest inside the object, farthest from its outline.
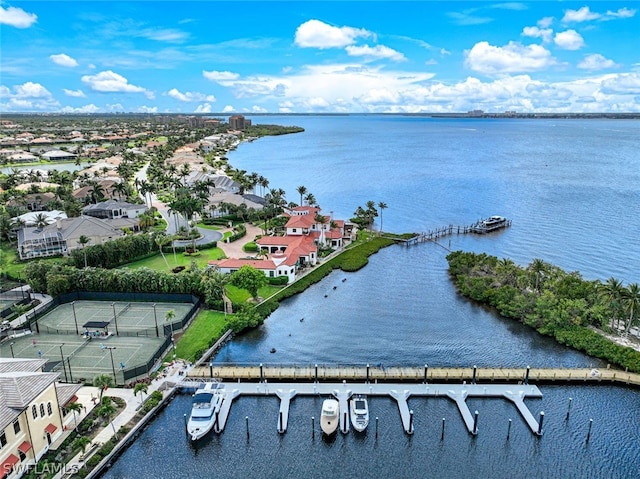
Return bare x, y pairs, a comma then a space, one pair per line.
209, 227
238, 296
206, 328
156, 262
10, 264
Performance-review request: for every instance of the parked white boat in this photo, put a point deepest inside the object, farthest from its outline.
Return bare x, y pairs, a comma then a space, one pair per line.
359, 410
330, 416
204, 406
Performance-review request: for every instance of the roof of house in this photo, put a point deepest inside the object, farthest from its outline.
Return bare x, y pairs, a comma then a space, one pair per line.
8, 365
112, 204
301, 221
72, 228
18, 389
51, 217
58, 154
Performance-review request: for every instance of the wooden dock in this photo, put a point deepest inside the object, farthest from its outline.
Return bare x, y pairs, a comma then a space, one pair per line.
436, 234
423, 374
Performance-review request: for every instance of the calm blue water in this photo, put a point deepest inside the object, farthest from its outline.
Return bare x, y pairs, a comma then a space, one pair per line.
572, 190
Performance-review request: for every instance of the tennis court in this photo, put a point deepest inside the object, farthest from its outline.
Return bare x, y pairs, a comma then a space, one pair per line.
122, 318
83, 339
84, 358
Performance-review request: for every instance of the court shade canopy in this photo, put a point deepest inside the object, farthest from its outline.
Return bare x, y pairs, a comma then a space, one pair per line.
96, 324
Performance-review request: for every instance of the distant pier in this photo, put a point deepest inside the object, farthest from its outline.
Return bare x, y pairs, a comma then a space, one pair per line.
434, 235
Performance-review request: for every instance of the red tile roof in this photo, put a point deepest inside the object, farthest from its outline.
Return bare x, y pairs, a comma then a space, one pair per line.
51, 428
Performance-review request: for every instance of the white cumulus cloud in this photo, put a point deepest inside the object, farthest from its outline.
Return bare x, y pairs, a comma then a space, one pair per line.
17, 17
190, 96
148, 109
219, 76
317, 34
111, 82
596, 62
583, 14
228, 109
511, 58
569, 40
74, 93
63, 60
203, 108
624, 84
379, 51
536, 32
90, 108
29, 96
621, 13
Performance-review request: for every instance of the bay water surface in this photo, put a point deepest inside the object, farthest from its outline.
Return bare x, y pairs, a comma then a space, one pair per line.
572, 189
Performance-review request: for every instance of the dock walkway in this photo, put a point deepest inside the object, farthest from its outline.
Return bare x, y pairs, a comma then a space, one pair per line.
368, 373
400, 392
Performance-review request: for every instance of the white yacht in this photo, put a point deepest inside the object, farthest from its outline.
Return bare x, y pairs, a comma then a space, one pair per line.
330, 416
359, 410
204, 406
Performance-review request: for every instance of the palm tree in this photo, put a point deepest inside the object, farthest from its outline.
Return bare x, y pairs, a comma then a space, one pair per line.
40, 220
169, 317
538, 268
612, 291
141, 388
383, 206
106, 410
81, 443
310, 199
302, 190
631, 301
83, 241
119, 188
103, 382
161, 240
75, 407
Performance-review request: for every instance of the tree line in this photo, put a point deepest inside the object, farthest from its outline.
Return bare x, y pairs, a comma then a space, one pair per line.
554, 302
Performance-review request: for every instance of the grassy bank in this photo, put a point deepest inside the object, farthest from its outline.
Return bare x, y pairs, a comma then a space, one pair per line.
203, 332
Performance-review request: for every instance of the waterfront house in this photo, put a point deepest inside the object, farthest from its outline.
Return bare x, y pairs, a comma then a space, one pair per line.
62, 237
59, 155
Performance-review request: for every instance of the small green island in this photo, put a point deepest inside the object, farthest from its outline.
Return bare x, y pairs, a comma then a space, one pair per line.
585, 315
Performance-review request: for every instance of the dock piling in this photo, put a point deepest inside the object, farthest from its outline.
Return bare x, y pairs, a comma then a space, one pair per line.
475, 423
426, 370
367, 373
540, 423
280, 428
526, 377
316, 374
475, 370
411, 421
568, 409
509, 429
376, 426
589, 431
313, 427
246, 418
442, 435
261, 373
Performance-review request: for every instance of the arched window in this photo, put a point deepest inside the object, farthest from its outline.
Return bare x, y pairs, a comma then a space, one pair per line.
49, 409
34, 411
42, 410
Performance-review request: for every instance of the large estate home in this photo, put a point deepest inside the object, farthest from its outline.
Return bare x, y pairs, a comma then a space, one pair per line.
62, 237
32, 413
113, 209
298, 248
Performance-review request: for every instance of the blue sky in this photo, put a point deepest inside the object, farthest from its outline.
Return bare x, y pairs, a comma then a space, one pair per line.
331, 56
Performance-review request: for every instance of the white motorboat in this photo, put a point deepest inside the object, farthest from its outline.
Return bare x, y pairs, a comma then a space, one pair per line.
204, 406
359, 410
330, 416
